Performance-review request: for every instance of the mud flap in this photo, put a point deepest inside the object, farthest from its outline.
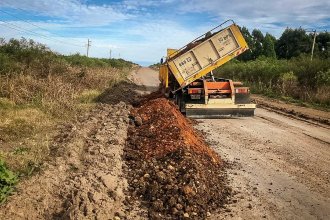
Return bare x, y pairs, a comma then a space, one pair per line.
180, 100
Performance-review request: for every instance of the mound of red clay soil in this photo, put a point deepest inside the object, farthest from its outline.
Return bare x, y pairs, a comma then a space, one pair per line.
169, 165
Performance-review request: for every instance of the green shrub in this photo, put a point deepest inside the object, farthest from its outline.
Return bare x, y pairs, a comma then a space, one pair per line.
22, 56
7, 182
299, 78
289, 84
83, 61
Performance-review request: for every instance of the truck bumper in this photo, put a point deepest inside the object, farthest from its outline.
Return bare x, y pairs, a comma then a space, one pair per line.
219, 110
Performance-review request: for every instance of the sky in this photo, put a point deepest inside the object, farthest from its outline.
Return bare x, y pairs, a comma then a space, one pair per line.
142, 30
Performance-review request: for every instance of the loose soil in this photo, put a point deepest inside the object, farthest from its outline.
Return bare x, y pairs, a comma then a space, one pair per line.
169, 166
175, 173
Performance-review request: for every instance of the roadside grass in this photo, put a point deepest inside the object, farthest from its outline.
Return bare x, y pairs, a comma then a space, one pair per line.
30, 113
32, 107
40, 89
25, 134
88, 96
290, 100
299, 80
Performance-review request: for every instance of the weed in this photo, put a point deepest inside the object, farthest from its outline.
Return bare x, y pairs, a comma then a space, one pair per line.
20, 150
7, 181
6, 103
31, 168
18, 128
88, 96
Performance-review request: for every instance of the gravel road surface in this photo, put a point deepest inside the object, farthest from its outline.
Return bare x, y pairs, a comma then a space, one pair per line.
279, 166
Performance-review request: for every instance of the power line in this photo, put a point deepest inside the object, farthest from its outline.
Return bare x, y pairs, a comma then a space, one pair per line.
39, 35
41, 28
23, 31
26, 21
14, 28
20, 30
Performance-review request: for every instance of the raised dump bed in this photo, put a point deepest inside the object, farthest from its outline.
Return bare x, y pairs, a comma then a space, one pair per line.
187, 75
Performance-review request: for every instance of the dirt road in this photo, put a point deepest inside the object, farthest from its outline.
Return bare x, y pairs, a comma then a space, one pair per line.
146, 77
280, 166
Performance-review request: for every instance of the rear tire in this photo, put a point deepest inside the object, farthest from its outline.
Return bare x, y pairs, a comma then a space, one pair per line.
181, 102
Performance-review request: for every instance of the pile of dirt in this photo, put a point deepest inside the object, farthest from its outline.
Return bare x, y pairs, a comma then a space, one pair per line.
175, 173
164, 129
123, 91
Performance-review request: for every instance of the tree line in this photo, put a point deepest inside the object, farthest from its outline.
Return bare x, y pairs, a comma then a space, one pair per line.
282, 68
22, 55
292, 43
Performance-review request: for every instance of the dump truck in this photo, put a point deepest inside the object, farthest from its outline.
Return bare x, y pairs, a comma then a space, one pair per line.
186, 75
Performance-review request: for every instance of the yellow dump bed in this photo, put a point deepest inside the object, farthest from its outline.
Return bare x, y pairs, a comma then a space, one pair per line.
205, 54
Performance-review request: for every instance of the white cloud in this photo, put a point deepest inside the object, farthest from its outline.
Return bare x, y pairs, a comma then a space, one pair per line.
72, 11
266, 15
156, 38
142, 30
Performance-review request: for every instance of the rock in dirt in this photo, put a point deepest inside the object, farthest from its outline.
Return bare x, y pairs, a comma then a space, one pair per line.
138, 121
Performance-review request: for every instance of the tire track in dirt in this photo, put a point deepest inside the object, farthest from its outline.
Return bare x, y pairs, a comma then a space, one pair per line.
83, 178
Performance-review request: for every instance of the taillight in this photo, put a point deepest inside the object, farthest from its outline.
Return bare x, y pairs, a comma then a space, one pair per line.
194, 91
243, 90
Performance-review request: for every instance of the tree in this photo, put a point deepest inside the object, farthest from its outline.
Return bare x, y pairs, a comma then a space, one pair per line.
292, 43
258, 38
268, 46
323, 44
247, 55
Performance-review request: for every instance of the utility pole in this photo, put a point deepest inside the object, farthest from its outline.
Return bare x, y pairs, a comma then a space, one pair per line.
313, 45
88, 45
110, 53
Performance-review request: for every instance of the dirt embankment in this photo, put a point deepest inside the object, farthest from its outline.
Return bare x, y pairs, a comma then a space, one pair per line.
174, 172
83, 178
